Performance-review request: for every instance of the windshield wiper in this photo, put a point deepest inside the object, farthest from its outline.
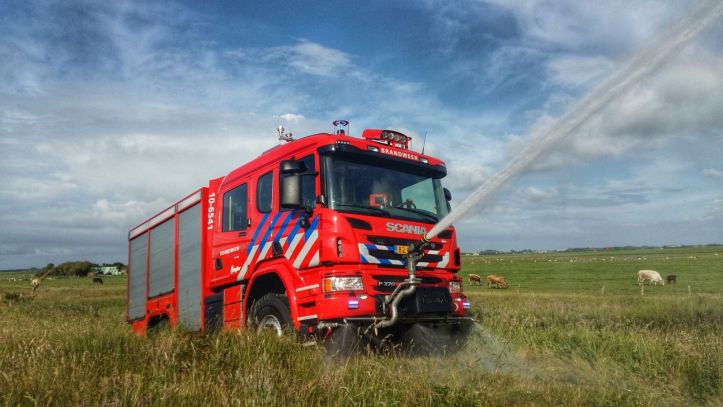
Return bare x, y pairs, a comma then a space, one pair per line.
420, 212
369, 208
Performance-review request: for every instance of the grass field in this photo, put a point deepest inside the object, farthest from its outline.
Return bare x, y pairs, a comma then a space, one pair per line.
553, 338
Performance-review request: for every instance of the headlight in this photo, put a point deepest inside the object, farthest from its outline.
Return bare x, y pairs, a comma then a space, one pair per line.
343, 284
455, 287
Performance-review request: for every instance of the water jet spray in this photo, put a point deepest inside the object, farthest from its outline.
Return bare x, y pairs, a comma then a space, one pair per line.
541, 142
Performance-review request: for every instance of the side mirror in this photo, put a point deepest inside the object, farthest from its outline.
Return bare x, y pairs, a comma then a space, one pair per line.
292, 167
291, 191
447, 194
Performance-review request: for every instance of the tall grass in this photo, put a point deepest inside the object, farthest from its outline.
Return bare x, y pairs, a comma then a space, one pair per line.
70, 346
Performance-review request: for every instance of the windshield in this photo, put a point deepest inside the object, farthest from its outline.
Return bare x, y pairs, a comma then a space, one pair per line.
354, 186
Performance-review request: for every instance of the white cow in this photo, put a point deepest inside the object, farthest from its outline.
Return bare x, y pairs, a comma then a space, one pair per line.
649, 275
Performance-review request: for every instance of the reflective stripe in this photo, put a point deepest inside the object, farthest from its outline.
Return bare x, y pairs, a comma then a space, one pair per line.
292, 246
269, 230
245, 267
258, 231
366, 257
305, 249
284, 224
312, 228
445, 260
295, 229
308, 287
314, 260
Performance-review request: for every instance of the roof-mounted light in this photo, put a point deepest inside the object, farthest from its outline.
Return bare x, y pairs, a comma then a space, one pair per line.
388, 137
341, 127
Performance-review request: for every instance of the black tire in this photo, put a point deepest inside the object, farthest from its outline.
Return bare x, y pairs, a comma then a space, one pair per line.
158, 325
271, 312
344, 341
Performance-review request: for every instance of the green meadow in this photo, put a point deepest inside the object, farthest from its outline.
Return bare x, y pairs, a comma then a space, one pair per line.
555, 337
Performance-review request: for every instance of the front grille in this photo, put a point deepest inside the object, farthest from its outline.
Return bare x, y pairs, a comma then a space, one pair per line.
425, 300
389, 283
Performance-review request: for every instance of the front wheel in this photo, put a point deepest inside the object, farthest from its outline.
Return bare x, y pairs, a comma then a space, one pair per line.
271, 312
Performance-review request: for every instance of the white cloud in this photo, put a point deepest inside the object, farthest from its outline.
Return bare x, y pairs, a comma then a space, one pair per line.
713, 173
538, 194
291, 117
315, 59
577, 70
305, 57
574, 25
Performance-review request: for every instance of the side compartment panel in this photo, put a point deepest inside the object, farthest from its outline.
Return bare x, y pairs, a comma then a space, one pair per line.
189, 268
137, 275
162, 258
232, 306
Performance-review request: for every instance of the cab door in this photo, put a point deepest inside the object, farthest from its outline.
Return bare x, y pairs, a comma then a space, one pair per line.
262, 218
232, 236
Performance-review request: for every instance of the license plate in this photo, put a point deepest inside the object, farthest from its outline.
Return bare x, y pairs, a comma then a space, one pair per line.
401, 249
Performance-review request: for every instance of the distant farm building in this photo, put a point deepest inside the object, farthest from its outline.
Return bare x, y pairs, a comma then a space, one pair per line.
108, 270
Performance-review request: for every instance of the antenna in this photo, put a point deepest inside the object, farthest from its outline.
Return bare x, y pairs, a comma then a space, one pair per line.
424, 142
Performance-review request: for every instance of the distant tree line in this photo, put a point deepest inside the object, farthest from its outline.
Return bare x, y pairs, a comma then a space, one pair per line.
489, 252
73, 269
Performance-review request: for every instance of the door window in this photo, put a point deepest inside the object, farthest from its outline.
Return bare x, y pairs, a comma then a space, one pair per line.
263, 192
235, 212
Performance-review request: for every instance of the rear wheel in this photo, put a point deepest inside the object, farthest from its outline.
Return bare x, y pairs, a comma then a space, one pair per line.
271, 313
158, 324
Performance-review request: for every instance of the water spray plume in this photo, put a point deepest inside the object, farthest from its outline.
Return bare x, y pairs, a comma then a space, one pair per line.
540, 142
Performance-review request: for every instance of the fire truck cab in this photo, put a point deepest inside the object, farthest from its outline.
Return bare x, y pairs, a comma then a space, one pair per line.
311, 236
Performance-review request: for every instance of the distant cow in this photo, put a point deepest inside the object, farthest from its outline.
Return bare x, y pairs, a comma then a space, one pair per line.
652, 276
497, 281
97, 280
475, 279
672, 279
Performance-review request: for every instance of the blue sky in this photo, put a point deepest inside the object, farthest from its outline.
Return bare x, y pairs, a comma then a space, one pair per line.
109, 111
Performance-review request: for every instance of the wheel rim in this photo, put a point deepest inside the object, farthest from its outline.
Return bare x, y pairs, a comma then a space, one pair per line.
271, 323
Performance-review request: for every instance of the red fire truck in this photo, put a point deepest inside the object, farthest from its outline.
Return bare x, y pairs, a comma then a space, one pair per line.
321, 235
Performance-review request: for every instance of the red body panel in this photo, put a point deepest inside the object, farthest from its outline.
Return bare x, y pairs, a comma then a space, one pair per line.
297, 248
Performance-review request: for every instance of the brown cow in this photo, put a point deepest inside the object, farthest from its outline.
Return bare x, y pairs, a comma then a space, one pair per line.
672, 279
498, 281
475, 279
